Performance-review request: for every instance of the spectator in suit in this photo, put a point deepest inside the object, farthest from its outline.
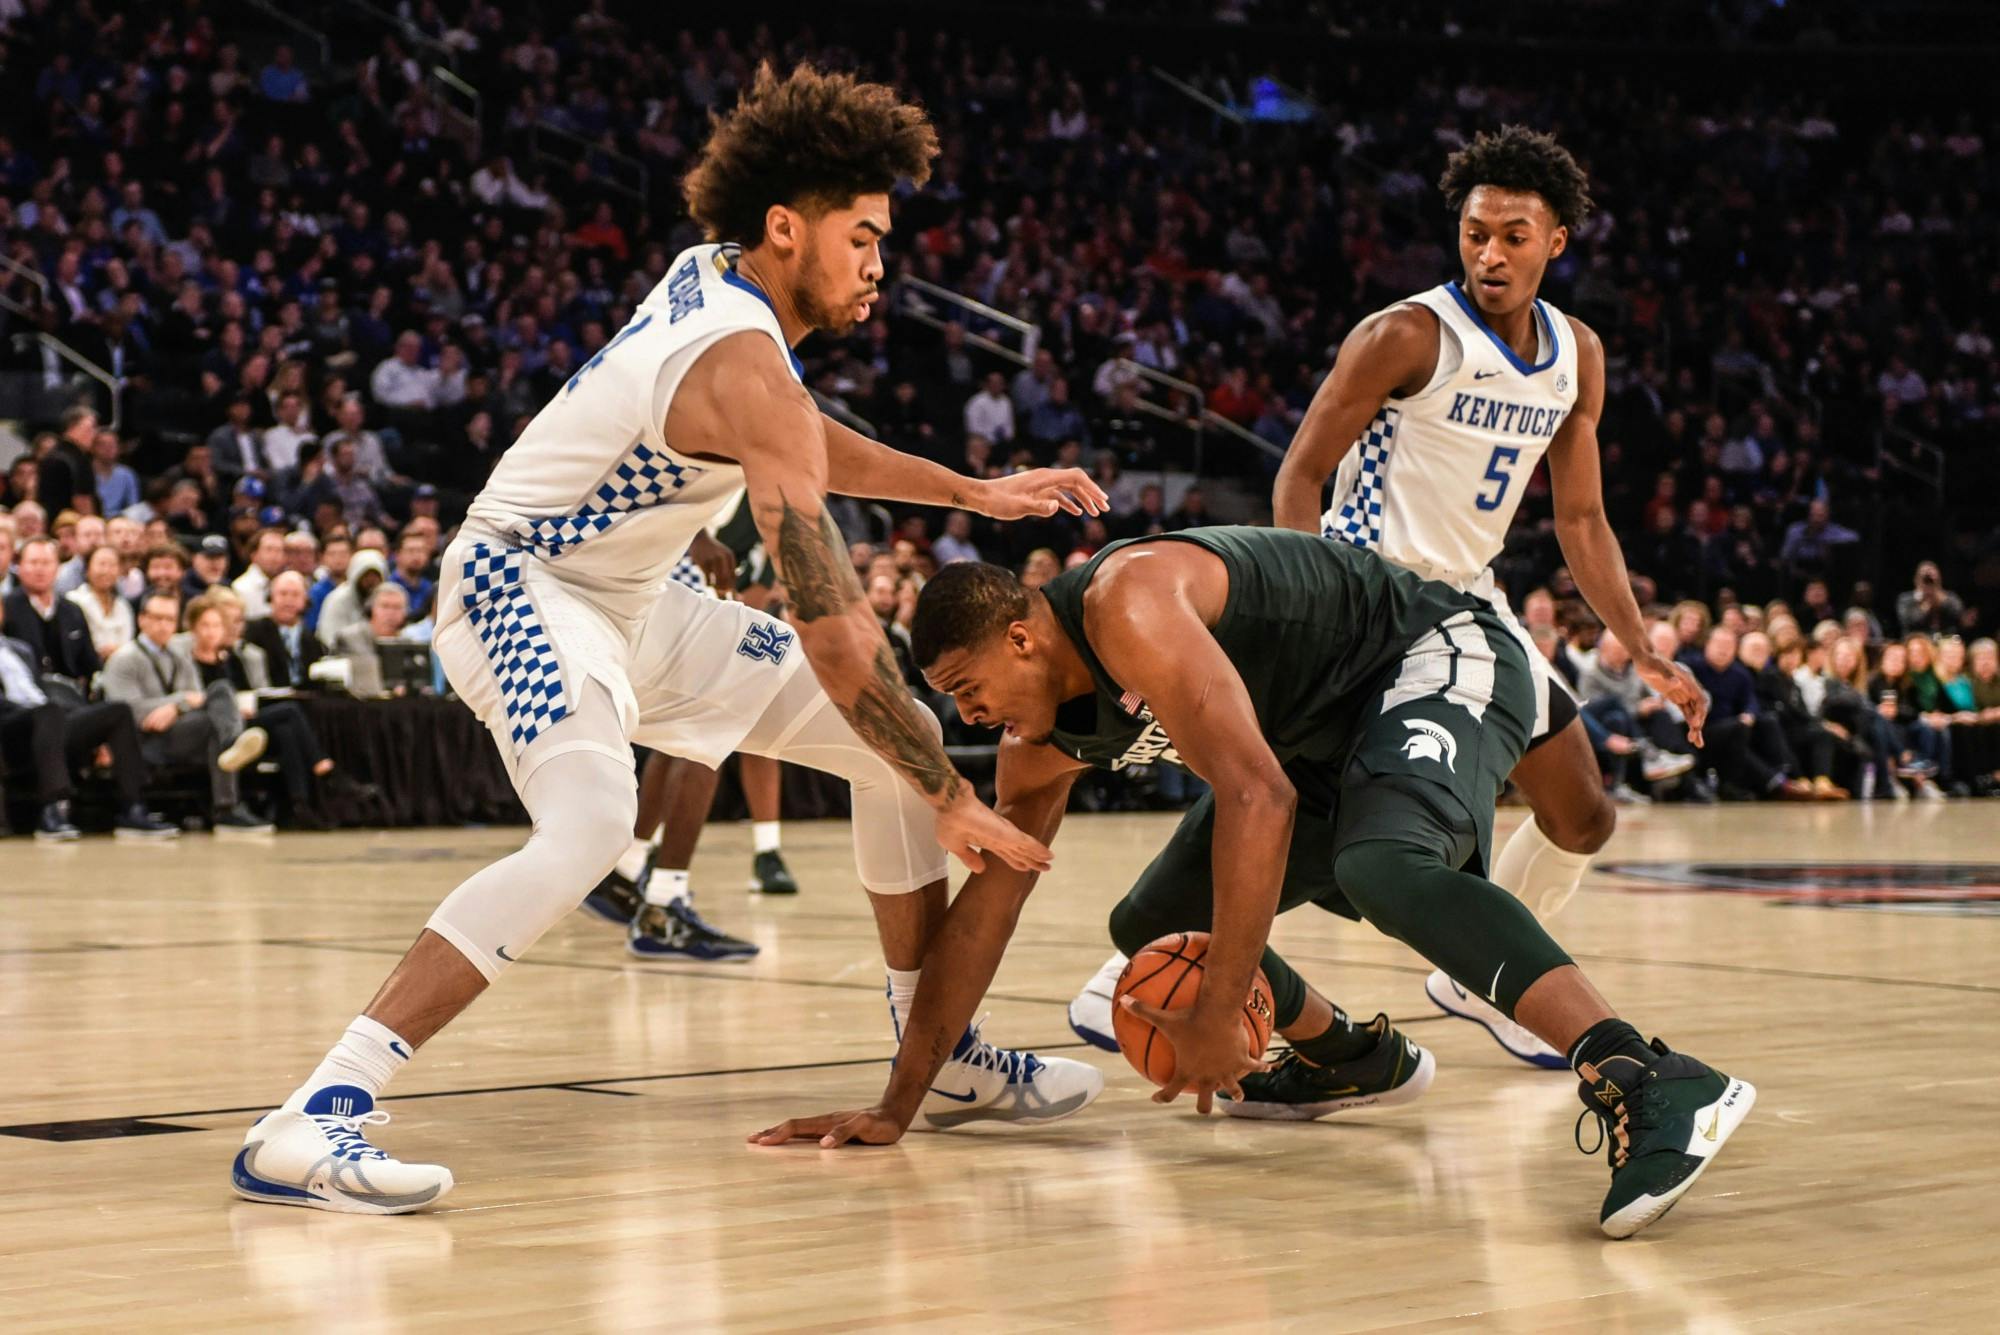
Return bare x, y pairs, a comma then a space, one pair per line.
1780, 700
388, 612
234, 447
54, 738
290, 647
1754, 758
65, 470
112, 624
181, 722
53, 628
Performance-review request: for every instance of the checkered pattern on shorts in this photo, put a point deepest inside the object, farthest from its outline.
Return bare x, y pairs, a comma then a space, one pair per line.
1359, 520
641, 480
688, 573
510, 630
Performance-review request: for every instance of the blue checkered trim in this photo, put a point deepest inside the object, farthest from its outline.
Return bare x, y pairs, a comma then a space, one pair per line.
516, 644
688, 573
641, 480
1359, 520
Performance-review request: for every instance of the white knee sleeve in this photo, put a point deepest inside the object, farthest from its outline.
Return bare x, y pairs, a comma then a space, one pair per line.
1538, 873
583, 800
895, 836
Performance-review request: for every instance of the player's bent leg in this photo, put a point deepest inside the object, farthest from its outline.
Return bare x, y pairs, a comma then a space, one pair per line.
903, 868
314, 1151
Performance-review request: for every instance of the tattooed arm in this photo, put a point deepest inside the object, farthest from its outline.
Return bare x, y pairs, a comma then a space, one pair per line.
739, 402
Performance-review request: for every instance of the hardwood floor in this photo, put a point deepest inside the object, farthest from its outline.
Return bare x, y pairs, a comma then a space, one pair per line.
593, 1108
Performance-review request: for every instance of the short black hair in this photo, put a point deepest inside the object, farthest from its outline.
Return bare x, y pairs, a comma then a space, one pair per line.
962, 606
1518, 158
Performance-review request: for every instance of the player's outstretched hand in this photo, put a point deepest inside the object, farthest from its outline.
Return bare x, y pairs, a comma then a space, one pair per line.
1207, 1056
868, 1126
1677, 684
969, 829
1041, 492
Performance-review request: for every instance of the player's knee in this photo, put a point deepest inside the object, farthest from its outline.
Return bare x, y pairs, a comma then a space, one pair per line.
1133, 929
1583, 831
590, 836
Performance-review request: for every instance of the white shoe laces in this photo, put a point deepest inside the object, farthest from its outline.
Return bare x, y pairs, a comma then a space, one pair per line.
345, 1136
1010, 1062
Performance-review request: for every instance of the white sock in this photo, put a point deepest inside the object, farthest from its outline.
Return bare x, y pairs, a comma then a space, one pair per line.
634, 859
367, 1055
765, 832
666, 887
902, 995
1538, 873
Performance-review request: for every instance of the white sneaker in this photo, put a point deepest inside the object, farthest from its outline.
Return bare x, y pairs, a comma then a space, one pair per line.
982, 1083
244, 751
1658, 766
1452, 999
1090, 1013
320, 1158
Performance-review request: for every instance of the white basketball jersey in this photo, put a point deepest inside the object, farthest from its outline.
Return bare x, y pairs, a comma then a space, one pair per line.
1434, 481
592, 485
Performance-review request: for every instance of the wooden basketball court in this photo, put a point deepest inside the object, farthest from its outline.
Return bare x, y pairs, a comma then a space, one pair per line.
153, 1000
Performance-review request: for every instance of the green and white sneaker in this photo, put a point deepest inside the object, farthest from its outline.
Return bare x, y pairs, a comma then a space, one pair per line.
1394, 1071
770, 876
1662, 1134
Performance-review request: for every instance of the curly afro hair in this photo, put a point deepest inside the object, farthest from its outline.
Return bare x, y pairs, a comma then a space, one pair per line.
813, 141
1519, 158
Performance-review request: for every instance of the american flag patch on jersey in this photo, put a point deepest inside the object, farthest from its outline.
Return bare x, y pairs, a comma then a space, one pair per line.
1132, 703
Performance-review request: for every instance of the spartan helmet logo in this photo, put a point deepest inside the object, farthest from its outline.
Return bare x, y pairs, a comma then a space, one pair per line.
1428, 741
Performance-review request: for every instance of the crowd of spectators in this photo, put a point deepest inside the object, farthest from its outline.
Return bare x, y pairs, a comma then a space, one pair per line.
333, 304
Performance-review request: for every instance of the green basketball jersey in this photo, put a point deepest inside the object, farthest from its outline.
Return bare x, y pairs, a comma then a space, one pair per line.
1311, 626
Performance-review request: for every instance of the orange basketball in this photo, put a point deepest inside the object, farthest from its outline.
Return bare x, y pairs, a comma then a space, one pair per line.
1167, 975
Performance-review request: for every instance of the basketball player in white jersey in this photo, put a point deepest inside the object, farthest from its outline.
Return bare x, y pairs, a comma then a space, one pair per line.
1435, 415
561, 629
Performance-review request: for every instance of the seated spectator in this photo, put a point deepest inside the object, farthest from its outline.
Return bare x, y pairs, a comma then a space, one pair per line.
1691, 622
1193, 512
108, 615
267, 559
1150, 517
402, 380
1624, 717
990, 413
235, 448
55, 737
6, 555
116, 484
388, 613
1809, 544
212, 640
955, 544
1923, 752
1056, 418
180, 721
290, 648
885, 599
1040, 567
281, 80
347, 605
1972, 741
1929, 608
127, 538
413, 557
164, 567
1748, 754
1808, 739
343, 481
336, 557
1984, 678
86, 535
54, 629
292, 433
1843, 703
208, 566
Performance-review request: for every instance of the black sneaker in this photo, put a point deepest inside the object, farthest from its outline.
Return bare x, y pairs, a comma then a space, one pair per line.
135, 822
1394, 1071
239, 820
1661, 1134
770, 876
676, 931
55, 827
616, 900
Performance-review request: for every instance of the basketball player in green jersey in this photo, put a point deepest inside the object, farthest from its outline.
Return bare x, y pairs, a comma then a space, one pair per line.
1355, 723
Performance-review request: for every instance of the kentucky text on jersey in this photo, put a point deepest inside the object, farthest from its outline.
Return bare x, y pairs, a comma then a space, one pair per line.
1520, 419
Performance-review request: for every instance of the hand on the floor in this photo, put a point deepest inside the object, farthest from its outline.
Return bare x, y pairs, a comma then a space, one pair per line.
1208, 1055
869, 1126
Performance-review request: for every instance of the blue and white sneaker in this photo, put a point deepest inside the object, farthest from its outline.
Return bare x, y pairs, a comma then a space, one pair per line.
674, 931
616, 900
1449, 997
320, 1158
1090, 1013
982, 1083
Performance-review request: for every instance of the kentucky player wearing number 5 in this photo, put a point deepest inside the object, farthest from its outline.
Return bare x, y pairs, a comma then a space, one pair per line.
562, 627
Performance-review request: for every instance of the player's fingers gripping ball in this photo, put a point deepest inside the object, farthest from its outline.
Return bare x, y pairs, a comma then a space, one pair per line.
1167, 975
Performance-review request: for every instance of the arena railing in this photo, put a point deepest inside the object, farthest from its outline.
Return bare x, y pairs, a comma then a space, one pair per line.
593, 152
920, 300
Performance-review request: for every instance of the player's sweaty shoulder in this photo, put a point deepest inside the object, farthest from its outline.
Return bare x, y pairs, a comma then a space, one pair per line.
1399, 345
738, 398
1153, 582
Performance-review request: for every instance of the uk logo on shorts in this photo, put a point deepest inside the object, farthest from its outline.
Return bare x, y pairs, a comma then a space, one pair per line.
765, 642
1428, 741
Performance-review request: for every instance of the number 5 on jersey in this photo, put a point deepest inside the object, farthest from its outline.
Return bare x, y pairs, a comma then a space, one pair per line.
1503, 455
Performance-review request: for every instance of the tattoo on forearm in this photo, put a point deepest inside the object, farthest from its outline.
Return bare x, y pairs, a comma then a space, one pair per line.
812, 556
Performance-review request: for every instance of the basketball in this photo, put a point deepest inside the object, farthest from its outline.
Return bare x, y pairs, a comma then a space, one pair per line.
1167, 974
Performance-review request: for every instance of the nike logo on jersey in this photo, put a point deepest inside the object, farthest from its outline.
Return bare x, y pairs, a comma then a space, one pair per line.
955, 1098
1484, 375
